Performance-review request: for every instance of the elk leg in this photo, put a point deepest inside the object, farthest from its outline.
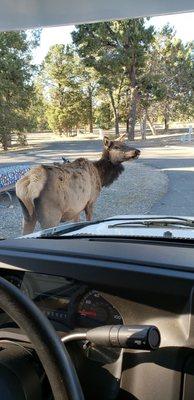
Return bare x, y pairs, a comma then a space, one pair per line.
48, 214
77, 218
50, 221
29, 224
89, 211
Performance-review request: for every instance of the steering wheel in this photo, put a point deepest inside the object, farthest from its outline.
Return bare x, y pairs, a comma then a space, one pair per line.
51, 352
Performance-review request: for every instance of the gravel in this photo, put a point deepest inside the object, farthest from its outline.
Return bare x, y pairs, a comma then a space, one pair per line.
135, 192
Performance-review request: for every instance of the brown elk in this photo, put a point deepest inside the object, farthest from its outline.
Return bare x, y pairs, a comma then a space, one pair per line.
54, 193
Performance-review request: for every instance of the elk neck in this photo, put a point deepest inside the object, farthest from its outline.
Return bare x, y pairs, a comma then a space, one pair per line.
108, 171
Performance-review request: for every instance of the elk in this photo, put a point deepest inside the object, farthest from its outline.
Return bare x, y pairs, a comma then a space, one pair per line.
52, 194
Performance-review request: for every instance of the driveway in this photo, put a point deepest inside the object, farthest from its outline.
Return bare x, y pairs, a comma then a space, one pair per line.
178, 163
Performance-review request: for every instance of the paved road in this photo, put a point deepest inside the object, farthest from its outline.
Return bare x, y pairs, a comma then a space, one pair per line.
176, 161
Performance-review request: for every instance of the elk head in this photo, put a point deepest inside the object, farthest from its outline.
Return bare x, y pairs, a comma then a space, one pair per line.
119, 151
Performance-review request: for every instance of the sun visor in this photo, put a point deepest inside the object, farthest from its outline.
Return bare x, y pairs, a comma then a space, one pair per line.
21, 14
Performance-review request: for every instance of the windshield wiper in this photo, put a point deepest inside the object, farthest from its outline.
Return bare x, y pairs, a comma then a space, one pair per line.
71, 228
155, 221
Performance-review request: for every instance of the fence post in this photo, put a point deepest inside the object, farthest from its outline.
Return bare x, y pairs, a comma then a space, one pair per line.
101, 135
190, 133
187, 135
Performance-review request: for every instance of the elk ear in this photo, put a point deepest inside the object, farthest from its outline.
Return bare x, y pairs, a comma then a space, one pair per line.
107, 142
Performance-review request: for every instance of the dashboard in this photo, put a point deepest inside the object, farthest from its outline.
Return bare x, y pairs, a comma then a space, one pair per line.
88, 283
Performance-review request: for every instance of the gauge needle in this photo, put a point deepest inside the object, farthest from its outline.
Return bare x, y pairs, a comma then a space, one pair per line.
88, 313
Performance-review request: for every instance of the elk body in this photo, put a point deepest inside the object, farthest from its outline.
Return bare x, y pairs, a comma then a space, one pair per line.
54, 193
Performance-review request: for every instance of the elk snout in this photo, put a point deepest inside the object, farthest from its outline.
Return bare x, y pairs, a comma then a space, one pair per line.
132, 154
137, 153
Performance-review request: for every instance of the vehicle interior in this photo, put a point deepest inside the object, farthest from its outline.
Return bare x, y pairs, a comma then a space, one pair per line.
95, 318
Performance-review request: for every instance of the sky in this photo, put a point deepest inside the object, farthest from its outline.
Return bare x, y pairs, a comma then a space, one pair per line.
183, 24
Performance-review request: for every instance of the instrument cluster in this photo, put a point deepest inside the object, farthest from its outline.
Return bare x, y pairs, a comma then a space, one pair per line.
66, 302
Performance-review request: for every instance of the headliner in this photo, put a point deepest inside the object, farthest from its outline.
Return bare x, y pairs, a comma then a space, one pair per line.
21, 14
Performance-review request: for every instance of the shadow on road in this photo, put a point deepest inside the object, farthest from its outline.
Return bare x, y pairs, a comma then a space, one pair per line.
53, 151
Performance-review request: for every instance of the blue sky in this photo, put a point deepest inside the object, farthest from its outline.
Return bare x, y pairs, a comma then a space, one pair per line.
183, 24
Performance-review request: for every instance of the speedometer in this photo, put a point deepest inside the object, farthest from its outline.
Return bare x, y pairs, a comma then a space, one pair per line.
94, 310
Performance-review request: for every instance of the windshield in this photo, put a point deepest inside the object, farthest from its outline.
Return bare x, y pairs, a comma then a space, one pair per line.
96, 122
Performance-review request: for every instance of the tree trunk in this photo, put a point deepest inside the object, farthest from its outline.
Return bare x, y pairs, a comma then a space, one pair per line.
143, 125
151, 126
131, 120
90, 110
91, 126
127, 125
166, 122
116, 114
5, 145
6, 141
116, 125
21, 139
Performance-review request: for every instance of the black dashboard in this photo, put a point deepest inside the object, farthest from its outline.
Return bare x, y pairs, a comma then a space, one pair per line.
88, 283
